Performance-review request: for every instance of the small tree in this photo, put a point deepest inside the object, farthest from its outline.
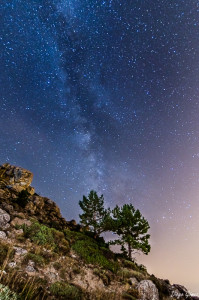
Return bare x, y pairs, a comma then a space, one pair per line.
94, 215
132, 228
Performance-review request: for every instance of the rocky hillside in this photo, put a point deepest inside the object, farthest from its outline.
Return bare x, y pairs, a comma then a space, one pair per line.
43, 256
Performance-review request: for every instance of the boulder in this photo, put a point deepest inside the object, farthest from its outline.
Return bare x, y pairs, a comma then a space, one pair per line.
179, 292
147, 290
20, 251
12, 264
4, 218
30, 269
16, 178
3, 235
133, 281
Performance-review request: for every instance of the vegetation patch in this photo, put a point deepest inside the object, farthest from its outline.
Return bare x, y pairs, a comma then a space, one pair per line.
48, 237
64, 290
131, 294
91, 254
32, 288
37, 259
6, 293
5, 252
134, 266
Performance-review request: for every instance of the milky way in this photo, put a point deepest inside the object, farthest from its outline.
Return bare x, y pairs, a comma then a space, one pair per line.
104, 95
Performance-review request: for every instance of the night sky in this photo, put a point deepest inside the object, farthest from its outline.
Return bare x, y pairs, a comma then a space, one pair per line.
104, 95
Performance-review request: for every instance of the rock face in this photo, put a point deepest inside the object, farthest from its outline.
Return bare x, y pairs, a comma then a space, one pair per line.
179, 292
2, 235
19, 208
15, 177
147, 290
20, 205
4, 218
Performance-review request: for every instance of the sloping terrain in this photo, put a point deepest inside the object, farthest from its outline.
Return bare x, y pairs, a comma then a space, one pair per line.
43, 256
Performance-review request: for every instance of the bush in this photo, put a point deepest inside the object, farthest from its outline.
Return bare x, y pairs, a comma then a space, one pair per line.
126, 274
91, 254
64, 290
48, 237
38, 259
134, 266
7, 294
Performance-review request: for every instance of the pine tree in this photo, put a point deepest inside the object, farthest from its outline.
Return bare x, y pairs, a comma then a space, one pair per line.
131, 227
94, 215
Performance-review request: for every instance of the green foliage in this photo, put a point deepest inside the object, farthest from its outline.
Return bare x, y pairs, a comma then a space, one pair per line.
90, 251
23, 198
134, 266
48, 237
7, 294
94, 215
131, 228
91, 254
66, 291
38, 259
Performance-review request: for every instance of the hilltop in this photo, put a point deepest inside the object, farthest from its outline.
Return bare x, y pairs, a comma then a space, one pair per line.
44, 256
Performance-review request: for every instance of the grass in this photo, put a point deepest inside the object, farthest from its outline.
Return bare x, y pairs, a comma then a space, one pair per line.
91, 254
37, 259
89, 250
64, 290
134, 266
32, 288
49, 237
5, 249
125, 274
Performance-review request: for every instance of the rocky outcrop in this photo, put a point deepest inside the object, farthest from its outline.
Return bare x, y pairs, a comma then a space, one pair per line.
147, 290
51, 254
16, 178
179, 292
4, 219
19, 199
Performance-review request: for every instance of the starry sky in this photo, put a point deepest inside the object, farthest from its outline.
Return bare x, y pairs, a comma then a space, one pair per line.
104, 95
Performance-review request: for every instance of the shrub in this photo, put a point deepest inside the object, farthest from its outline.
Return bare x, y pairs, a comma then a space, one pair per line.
7, 294
126, 274
91, 254
48, 237
64, 290
57, 265
130, 264
103, 275
38, 259
134, 266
